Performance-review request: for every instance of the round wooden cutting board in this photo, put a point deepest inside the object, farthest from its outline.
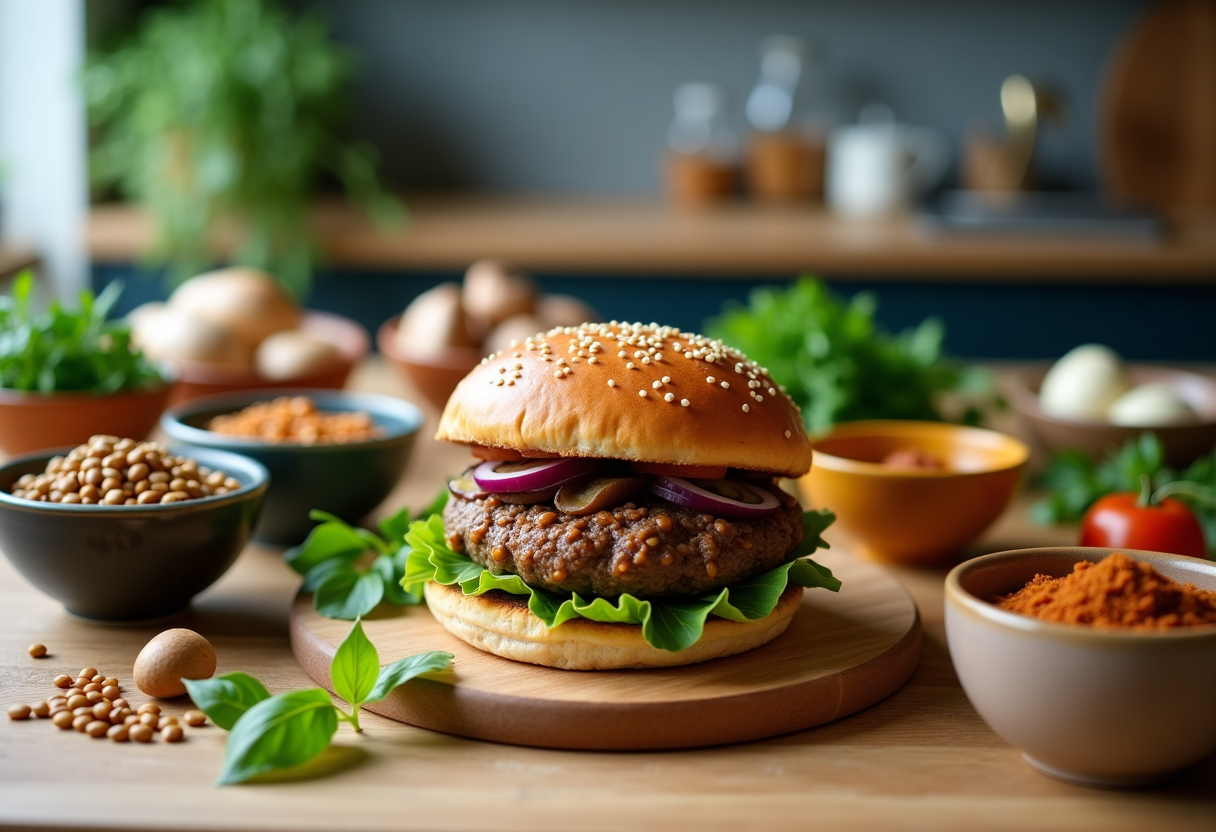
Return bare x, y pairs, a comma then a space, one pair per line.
842, 653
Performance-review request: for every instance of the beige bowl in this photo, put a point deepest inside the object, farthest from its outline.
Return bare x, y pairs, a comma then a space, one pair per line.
1094, 707
1182, 443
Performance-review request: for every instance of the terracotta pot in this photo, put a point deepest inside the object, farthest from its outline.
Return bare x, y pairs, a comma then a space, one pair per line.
200, 379
435, 373
33, 421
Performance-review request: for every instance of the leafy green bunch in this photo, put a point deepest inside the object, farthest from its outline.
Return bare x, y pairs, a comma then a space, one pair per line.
268, 733
350, 570
219, 116
63, 350
1074, 482
837, 364
668, 623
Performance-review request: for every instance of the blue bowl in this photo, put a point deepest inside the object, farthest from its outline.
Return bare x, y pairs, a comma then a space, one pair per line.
123, 564
348, 479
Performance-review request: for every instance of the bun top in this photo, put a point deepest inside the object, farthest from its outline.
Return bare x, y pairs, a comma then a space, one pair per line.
639, 392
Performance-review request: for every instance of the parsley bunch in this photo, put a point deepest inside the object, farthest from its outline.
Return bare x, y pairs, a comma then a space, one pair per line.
838, 365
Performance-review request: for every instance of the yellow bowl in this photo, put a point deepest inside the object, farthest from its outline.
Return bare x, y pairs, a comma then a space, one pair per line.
915, 517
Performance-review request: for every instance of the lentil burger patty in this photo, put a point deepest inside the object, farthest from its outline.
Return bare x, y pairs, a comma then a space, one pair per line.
647, 547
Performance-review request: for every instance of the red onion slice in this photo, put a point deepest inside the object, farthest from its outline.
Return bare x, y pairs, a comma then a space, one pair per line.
533, 474
704, 496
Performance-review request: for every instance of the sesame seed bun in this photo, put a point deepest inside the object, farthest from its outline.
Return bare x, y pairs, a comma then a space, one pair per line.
673, 398
502, 624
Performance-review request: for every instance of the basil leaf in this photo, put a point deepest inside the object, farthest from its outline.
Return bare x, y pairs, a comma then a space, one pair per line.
328, 540
226, 698
355, 666
392, 571
401, 671
667, 623
394, 528
280, 732
316, 576
348, 593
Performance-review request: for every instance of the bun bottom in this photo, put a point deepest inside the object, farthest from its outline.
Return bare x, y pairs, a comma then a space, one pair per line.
502, 624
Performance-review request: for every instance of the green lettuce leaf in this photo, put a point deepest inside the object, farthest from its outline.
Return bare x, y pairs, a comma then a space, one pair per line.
671, 624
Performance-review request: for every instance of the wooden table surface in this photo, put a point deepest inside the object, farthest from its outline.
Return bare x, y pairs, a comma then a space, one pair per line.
736, 239
921, 759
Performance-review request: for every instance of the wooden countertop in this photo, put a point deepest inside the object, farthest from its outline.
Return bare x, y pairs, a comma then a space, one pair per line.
648, 237
920, 759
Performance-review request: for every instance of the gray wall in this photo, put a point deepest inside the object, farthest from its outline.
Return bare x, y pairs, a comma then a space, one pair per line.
574, 96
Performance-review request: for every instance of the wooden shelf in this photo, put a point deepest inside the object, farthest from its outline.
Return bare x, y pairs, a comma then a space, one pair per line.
638, 237
15, 258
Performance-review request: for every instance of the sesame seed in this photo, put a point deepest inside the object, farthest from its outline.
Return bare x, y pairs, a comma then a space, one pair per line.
787, 434
557, 374
667, 379
592, 360
629, 365
510, 382
710, 379
772, 392
746, 408
759, 398
726, 385
622, 354
499, 382
611, 383
657, 385
642, 393
670, 397
502, 369
685, 402
645, 359
517, 354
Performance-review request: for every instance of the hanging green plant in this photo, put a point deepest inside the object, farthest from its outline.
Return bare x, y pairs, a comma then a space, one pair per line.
220, 117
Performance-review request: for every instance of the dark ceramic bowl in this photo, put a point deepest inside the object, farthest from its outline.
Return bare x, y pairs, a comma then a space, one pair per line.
348, 479
122, 564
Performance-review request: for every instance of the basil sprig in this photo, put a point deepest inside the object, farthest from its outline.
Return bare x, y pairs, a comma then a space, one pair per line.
667, 623
269, 733
334, 561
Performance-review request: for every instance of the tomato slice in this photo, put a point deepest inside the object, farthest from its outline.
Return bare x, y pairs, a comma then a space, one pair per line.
688, 472
495, 454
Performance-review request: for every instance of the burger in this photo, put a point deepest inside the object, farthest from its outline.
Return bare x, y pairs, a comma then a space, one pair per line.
623, 508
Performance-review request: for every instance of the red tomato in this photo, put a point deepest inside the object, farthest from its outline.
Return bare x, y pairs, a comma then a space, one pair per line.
1117, 521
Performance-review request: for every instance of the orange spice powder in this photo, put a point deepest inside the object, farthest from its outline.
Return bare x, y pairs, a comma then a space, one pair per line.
1117, 592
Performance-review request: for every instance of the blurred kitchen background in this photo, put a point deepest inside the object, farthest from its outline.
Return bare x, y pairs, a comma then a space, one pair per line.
658, 159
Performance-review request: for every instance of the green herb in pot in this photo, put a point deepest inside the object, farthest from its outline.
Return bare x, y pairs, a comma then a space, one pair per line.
838, 365
62, 350
220, 117
270, 733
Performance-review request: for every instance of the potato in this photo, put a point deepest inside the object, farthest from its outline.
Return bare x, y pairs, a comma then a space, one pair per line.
434, 320
516, 329
165, 333
495, 290
564, 310
247, 302
292, 354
